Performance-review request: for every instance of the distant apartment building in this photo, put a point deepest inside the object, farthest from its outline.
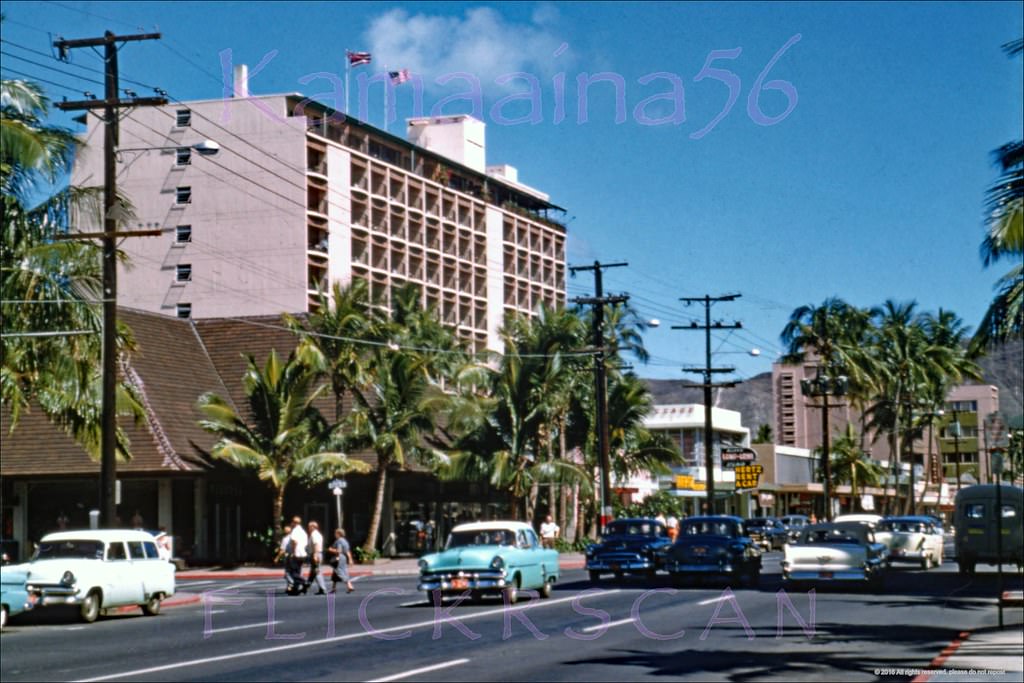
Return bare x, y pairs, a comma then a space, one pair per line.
798, 424
300, 197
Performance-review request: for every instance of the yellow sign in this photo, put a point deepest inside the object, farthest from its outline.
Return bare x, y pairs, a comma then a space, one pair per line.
747, 476
686, 482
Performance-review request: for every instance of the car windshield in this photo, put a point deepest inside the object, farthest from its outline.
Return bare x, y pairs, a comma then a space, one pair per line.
707, 528
817, 534
461, 539
760, 522
73, 548
903, 527
621, 528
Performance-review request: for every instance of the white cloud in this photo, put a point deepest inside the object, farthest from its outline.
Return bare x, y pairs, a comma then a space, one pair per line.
481, 42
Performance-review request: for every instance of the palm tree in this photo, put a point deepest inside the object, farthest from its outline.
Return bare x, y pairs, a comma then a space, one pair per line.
281, 436
509, 444
850, 465
397, 407
764, 434
51, 290
1004, 318
636, 448
833, 333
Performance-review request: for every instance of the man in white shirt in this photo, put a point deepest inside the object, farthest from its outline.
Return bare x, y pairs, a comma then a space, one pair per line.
298, 542
548, 532
316, 556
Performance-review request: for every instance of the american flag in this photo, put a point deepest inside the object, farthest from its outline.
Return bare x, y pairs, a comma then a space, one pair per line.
399, 77
357, 58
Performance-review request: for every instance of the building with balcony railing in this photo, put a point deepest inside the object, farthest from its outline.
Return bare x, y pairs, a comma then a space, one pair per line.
300, 197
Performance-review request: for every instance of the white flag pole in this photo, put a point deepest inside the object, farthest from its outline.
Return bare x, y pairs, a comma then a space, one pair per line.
348, 68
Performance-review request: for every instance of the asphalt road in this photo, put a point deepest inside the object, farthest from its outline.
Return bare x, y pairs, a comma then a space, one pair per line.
250, 631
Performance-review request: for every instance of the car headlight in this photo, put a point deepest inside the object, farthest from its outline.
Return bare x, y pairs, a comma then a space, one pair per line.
497, 563
68, 579
424, 565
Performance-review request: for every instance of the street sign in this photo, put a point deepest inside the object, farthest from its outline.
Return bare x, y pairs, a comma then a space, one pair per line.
731, 457
747, 476
337, 486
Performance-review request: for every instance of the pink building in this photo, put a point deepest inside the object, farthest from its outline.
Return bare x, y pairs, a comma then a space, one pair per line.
299, 197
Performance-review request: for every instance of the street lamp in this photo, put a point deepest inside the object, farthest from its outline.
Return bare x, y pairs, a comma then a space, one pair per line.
824, 386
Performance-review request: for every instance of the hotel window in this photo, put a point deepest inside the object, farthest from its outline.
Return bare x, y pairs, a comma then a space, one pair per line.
184, 157
183, 233
184, 272
183, 195
184, 118
184, 310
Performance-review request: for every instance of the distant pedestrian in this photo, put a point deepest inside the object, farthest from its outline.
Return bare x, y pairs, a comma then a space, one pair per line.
316, 556
672, 524
298, 542
548, 532
340, 558
137, 521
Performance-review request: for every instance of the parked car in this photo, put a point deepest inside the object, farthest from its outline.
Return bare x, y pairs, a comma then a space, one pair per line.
836, 552
714, 546
768, 532
628, 546
871, 520
490, 558
14, 598
794, 524
911, 539
99, 569
977, 526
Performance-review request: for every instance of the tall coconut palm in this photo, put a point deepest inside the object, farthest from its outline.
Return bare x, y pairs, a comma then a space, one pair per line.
397, 408
850, 465
833, 333
508, 447
50, 290
281, 435
1004, 318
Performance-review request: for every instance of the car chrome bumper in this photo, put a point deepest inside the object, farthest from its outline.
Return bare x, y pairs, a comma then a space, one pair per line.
56, 595
478, 581
906, 556
827, 575
682, 568
603, 565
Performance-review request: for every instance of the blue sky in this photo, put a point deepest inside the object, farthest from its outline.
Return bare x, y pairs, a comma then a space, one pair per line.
870, 188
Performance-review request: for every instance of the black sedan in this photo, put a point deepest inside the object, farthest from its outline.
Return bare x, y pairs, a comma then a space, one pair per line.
628, 546
714, 546
768, 532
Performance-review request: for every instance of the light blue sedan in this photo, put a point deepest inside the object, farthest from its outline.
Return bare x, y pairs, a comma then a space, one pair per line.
490, 558
14, 599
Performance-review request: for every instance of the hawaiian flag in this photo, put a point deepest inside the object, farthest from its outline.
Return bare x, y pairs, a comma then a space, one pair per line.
400, 76
358, 58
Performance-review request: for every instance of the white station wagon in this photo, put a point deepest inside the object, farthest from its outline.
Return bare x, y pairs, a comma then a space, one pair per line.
100, 569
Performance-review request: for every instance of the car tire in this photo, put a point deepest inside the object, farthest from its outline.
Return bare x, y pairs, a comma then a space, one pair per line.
595, 577
89, 610
3, 617
545, 590
966, 566
510, 594
926, 562
151, 607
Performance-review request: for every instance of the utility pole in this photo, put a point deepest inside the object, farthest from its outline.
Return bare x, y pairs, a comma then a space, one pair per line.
112, 212
708, 385
598, 302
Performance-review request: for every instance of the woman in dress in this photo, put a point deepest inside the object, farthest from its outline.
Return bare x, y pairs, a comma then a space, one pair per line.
341, 557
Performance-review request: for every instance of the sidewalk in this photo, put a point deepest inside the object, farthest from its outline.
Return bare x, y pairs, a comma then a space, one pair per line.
984, 654
404, 566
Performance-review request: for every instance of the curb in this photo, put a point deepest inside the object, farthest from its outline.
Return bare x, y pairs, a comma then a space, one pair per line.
265, 573
177, 601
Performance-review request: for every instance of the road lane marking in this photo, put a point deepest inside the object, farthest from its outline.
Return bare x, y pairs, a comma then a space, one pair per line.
720, 598
236, 585
337, 639
414, 602
610, 624
239, 628
417, 672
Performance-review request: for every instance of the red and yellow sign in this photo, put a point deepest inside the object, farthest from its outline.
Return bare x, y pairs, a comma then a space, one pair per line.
686, 482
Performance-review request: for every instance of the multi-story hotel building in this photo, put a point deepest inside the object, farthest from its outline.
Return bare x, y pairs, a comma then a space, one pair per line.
299, 197
798, 424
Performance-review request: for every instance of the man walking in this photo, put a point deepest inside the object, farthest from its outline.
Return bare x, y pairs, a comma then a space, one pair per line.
298, 543
316, 556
